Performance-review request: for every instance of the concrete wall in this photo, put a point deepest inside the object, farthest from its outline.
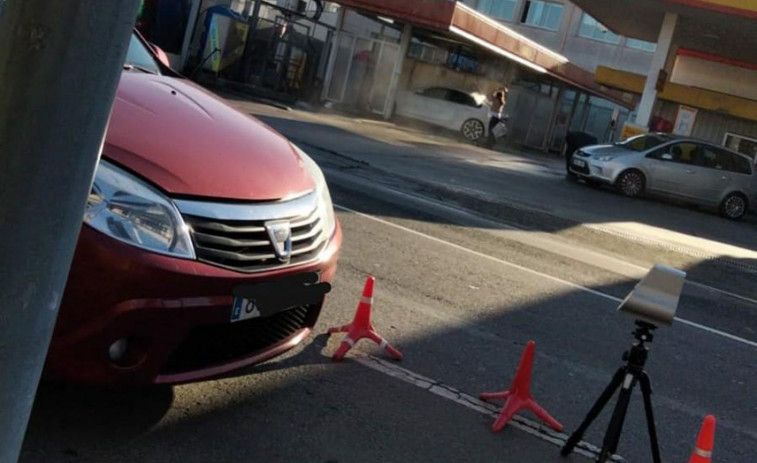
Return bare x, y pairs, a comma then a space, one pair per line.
587, 53
710, 125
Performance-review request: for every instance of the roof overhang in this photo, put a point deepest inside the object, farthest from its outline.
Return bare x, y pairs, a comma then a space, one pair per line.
722, 27
462, 23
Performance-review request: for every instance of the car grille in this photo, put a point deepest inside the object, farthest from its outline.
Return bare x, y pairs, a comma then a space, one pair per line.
246, 247
212, 345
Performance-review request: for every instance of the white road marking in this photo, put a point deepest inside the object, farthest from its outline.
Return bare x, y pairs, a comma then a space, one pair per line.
447, 392
539, 274
534, 241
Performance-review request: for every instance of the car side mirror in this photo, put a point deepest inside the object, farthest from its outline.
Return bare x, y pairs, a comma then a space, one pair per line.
161, 55
667, 157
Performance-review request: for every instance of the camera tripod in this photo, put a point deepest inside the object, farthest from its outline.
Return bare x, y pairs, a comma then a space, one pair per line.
625, 378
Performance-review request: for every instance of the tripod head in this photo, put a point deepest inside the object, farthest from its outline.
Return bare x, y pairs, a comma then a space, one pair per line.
643, 332
637, 355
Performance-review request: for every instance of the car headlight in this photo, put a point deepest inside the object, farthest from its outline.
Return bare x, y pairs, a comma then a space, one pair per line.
129, 210
325, 206
605, 158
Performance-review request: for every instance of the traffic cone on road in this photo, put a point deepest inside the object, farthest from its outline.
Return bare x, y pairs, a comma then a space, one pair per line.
519, 395
703, 451
361, 326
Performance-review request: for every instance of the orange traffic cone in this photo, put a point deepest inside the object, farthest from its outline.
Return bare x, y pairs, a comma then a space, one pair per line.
703, 451
519, 395
361, 326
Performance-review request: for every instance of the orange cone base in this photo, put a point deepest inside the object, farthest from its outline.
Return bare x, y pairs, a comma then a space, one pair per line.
516, 403
361, 326
355, 335
518, 397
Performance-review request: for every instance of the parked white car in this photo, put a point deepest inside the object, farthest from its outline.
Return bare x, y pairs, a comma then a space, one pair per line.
449, 108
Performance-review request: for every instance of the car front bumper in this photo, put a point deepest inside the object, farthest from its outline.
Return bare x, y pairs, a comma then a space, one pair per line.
173, 314
595, 170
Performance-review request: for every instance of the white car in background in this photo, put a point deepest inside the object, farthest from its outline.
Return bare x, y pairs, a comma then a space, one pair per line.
467, 112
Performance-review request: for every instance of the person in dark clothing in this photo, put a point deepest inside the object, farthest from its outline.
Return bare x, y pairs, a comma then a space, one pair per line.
574, 141
499, 101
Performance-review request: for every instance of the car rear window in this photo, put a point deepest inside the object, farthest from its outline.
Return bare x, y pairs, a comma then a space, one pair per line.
461, 98
717, 158
435, 92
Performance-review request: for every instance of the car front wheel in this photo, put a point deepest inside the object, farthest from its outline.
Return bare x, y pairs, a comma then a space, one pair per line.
631, 183
733, 206
472, 130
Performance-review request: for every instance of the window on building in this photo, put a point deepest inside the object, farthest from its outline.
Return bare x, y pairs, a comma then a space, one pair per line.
425, 52
500, 9
641, 45
546, 15
742, 144
595, 30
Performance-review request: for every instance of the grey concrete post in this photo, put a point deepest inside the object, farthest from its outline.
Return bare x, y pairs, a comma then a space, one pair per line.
194, 15
60, 61
407, 35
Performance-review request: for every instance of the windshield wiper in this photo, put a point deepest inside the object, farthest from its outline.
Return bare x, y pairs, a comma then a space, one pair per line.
130, 66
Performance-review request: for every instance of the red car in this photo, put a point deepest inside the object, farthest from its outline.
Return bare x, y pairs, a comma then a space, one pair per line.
208, 241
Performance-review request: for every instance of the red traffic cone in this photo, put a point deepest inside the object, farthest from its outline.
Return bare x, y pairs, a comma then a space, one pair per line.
361, 326
519, 395
703, 451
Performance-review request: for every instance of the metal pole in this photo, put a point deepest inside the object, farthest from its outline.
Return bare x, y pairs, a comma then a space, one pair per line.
194, 15
60, 62
391, 97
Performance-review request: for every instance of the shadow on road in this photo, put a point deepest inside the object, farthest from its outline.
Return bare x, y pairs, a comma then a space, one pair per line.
328, 412
502, 189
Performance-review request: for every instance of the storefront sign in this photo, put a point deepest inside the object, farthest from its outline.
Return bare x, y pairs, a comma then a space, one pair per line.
684, 124
631, 130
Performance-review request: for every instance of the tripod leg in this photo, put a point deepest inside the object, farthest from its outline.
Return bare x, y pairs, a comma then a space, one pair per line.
596, 409
646, 391
612, 436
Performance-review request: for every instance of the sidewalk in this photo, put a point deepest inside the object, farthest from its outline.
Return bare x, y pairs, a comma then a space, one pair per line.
453, 168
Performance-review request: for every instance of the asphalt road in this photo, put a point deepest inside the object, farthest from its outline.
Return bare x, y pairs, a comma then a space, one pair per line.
460, 295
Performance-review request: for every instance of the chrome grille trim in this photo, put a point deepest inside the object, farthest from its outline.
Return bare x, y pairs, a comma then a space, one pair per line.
273, 210
244, 245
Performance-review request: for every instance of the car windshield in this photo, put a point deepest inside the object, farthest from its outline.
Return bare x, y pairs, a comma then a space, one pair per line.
643, 142
139, 57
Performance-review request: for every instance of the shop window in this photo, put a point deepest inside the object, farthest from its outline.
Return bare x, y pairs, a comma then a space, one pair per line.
592, 29
463, 62
741, 144
641, 45
546, 15
427, 53
500, 9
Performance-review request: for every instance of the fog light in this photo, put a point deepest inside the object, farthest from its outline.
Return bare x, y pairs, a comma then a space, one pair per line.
117, 350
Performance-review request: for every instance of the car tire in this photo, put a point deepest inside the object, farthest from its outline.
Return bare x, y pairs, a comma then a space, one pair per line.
571, 177
473, 130
631, 183
734, 206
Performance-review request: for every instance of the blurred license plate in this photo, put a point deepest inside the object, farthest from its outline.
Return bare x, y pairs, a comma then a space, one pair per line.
270, 298
579, 163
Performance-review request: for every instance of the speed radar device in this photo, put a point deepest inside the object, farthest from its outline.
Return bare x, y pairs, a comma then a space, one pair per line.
655, 298
653, 303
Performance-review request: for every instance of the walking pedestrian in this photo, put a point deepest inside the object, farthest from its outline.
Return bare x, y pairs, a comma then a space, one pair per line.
499, 101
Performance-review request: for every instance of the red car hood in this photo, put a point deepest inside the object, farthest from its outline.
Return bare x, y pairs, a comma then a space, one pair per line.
188, 142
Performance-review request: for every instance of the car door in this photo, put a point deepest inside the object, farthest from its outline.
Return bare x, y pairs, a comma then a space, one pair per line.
728, 173
673, 169
719, 167
462, 107
427, 105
